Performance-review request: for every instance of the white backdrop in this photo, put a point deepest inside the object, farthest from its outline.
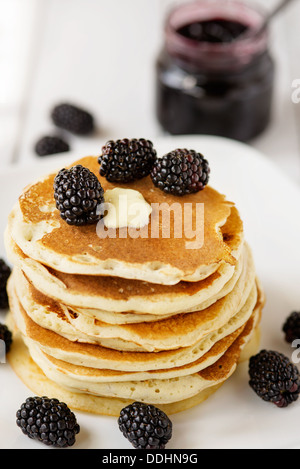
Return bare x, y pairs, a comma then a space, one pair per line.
101, 54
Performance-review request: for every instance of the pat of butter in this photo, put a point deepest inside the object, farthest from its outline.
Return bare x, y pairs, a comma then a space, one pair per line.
125, 207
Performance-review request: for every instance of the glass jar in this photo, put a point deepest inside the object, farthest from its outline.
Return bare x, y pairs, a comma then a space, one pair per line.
215, 88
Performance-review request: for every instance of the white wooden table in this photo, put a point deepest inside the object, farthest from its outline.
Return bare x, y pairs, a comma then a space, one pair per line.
100, 54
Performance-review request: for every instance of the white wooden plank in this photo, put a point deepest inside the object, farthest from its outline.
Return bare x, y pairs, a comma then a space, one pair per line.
293, 52
102, 55
99, 55
280, 141
17, 35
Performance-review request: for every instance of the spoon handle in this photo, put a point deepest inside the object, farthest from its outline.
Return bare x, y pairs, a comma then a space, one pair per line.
278, 8
274, 12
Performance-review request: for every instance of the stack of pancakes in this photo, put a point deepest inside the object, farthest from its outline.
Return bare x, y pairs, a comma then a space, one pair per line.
100, 322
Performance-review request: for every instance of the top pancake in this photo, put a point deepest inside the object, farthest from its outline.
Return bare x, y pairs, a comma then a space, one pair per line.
36, 227
99, 295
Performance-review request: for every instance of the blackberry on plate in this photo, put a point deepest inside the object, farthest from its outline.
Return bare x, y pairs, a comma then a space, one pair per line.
145, 426
51, 145
291, 327
78, 193
126, 160
181, 172
6, 336
48, 420
274, 378
73, 118
5, 272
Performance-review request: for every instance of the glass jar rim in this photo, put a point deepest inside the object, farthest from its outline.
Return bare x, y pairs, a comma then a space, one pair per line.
240, 51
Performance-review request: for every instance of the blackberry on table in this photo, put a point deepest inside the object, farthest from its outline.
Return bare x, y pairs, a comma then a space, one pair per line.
274, 378
291, 327
73, 118
181, 172
126, 160
50, 145
48, 420
6, 336
5, 272
78, 193
145, 426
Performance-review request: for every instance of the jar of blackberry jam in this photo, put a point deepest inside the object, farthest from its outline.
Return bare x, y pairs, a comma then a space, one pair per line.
215, 73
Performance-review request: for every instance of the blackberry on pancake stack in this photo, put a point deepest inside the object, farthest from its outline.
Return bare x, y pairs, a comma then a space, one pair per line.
102, 322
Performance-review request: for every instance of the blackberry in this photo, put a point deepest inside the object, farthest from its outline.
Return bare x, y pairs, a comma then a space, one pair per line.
48, 420
5, 272
181, 172
72, 118
50, 145
291, 327
145, 426
126, 160
78, 192
214, 31
6, 336
274, 378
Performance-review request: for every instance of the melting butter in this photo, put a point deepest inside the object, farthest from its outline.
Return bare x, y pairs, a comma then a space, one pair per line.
125, 208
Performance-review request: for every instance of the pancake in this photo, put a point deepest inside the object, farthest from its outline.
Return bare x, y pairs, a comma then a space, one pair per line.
25, 286
210, 357
177, 331
97, 296
90, 355
41, 234
32, 376
208, 380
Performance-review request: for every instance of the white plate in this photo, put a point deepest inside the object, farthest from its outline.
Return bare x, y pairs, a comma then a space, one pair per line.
234, 417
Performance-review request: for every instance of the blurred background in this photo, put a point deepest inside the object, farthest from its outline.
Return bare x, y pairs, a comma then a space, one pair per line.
101, 55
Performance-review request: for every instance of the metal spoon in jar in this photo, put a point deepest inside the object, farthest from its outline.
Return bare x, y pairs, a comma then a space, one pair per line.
269, 17
276, 10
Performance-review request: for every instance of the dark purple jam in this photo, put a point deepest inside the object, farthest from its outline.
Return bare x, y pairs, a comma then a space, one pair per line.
215, 31
215, 76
